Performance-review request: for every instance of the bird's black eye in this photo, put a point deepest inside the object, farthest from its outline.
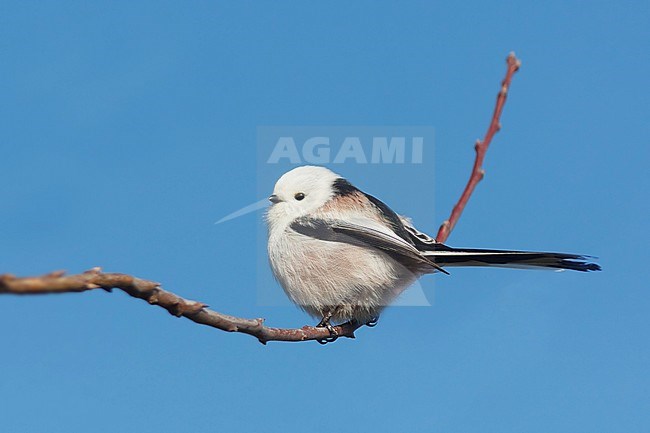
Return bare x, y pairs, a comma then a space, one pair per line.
299, 196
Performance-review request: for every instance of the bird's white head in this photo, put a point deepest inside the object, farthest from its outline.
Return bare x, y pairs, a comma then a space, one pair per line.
299, 192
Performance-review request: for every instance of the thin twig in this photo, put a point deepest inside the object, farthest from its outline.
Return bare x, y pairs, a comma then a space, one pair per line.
150, 291
481, 148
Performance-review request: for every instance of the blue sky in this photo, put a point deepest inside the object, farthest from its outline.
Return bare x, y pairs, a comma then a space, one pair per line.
129, 128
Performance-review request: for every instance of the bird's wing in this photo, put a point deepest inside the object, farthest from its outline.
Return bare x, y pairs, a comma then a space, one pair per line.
420, 240
364, 232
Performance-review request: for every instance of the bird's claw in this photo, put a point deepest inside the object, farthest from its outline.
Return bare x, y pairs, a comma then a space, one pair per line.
333, 335
372, 322
325, 323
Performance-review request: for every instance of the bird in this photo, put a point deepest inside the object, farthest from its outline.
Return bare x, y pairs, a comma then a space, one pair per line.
343, 255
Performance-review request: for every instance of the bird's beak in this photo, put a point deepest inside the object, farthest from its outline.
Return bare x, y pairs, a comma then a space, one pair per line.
274, 199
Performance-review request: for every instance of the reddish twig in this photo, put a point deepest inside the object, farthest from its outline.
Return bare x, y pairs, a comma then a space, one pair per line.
150, 291
481, 148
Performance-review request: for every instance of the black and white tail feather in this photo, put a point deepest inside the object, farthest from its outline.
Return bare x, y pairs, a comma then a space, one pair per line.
445, 256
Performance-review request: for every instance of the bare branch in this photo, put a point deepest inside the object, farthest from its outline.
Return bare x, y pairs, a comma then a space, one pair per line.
481, 148
150, 291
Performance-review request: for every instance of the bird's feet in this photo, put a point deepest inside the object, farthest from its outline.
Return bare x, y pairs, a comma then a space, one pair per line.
325, 323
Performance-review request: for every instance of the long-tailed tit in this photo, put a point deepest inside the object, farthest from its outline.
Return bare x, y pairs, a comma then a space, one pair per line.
341, 254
